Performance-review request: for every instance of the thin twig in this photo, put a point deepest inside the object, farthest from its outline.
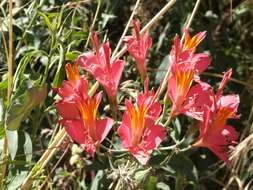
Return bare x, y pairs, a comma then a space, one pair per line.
44, 158
231, 79
53, 169
93, 23
154, 20
168, 120
10, 65
126, 28
217, 75
191, 17
172, 146
10, 57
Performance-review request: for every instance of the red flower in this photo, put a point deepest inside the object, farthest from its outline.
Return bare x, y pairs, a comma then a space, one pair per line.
198, 97
138, 131
138, 46
185, 69
191, 43
215, 134
106, 71
79, 112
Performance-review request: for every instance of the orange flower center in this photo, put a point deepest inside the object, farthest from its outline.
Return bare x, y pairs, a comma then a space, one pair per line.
72, 72
137, 116
191, 43
221, 117
184, 81
88, 110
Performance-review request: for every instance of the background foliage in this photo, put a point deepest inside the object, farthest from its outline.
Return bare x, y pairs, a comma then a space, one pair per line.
48, 34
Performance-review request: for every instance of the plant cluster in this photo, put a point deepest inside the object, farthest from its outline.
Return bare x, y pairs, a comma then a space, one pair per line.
140, 130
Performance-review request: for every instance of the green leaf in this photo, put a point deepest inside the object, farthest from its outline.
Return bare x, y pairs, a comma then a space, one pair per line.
183, 166
19, 75
2, 131
162, 69
17, 180
141, 175
48, 22
72, 55
4, 84
151, 183
12, 137
162, 186
95, 182
60, 70
28, 147
23, 104
176, 132
3, 88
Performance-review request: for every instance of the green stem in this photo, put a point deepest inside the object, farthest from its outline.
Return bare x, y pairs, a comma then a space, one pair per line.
114, 107
165, 106
166, 124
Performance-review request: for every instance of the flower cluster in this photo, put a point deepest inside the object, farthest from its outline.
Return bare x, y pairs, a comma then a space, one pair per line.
106, 71
140, 132
199, 101
79, 111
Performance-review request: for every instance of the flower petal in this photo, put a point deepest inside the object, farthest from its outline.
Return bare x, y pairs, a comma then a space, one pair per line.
152, 138
88, 61
103, 127
199, 97
75, 130
124, 131
223, 142
230, 101
66, 90
116, 71
201, 60
171, 89
192, 43
225, 79
67, 110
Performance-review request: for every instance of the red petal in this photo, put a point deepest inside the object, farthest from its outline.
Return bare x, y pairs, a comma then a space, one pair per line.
222, 142
124, 131
116, 71
152, 138
75, 130
202, 60
66, 90
88, 61
230, 101
171, 89
103, 127
82, 88
68, 110
226, 78
199, 96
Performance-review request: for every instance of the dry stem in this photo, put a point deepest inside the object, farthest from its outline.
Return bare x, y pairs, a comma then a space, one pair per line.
10, 62
126, 29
